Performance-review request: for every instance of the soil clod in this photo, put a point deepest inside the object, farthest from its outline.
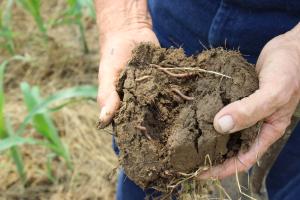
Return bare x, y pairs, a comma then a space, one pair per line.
165, 124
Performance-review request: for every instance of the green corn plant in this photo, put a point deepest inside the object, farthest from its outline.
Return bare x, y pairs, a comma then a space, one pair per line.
6, 33
39, 113
34, 8
73, 16
6, 129
86, 92
50, 175
40, 117
43, 123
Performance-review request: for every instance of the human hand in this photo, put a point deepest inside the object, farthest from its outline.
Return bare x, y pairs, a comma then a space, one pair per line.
116, 51
275, 101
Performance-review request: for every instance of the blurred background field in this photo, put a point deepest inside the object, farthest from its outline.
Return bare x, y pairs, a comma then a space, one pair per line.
56, 152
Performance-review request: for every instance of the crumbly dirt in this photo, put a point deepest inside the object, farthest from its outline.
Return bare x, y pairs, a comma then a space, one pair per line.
165, 124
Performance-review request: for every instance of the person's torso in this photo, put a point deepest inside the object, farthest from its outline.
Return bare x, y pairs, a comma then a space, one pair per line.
246, 25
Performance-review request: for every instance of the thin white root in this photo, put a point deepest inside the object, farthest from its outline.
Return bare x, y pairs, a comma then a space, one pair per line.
199, 70
182, 75
182, 95
142, 78
145, 131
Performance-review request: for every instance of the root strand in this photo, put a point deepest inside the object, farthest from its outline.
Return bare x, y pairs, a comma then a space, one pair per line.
182, 95
166, 70
142, 78
171, 73
145, 131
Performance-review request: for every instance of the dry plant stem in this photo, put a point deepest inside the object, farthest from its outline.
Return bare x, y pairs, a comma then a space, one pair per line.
189, 177
182, 95
144, 130
239, 186
223, 190
142, 78
194, 174
170, 73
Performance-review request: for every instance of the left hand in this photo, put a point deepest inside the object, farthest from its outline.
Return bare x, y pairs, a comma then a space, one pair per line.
275, 101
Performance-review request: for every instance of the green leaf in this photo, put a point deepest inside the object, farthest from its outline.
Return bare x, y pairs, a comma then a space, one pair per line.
9, 140
33, 7
15, 152
13, 141
76, 92
2, 95
42, 121
5, 27
89, 4
2, 117
6, 17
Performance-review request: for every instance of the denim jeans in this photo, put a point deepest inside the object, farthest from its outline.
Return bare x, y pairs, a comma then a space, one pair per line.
246, 25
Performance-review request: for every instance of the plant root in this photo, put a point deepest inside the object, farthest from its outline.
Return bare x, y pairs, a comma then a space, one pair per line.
175, 90
165, 70
142, 78
145, 131
199, 70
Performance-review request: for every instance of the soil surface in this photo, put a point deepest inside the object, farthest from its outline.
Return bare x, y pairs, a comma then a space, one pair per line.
165, 124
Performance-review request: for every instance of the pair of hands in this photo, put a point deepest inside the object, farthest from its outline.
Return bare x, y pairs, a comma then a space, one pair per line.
274, 102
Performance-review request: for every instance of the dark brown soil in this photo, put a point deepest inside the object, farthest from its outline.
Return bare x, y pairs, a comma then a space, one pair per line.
165, 124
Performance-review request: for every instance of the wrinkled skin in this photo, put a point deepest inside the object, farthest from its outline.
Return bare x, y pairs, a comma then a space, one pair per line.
274, 102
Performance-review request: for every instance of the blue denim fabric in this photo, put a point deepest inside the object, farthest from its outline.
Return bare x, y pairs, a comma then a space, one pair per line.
246, 25
283, 181
127, 189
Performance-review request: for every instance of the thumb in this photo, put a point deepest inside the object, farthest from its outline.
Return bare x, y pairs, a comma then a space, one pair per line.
246, 112
108, 98
110, 102
115, 55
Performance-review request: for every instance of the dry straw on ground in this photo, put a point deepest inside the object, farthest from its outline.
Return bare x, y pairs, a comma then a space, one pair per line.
57, 65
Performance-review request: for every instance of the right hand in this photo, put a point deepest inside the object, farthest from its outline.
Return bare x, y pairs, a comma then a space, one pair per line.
116, 49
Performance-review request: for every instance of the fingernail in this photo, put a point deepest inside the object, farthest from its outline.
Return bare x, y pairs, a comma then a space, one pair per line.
103, 113
103, 118
226, 123
100, 125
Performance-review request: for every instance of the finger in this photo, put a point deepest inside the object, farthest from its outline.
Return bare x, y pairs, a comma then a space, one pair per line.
248, 111
108, 97
268, 135
110, 104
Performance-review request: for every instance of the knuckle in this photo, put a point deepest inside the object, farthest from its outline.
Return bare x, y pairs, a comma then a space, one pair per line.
276, 98
245, 115
243, 111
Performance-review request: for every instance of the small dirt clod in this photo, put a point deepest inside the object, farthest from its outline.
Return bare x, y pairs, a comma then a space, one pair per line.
165, 124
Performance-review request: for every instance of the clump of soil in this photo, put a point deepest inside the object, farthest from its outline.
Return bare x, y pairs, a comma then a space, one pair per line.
165, 124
